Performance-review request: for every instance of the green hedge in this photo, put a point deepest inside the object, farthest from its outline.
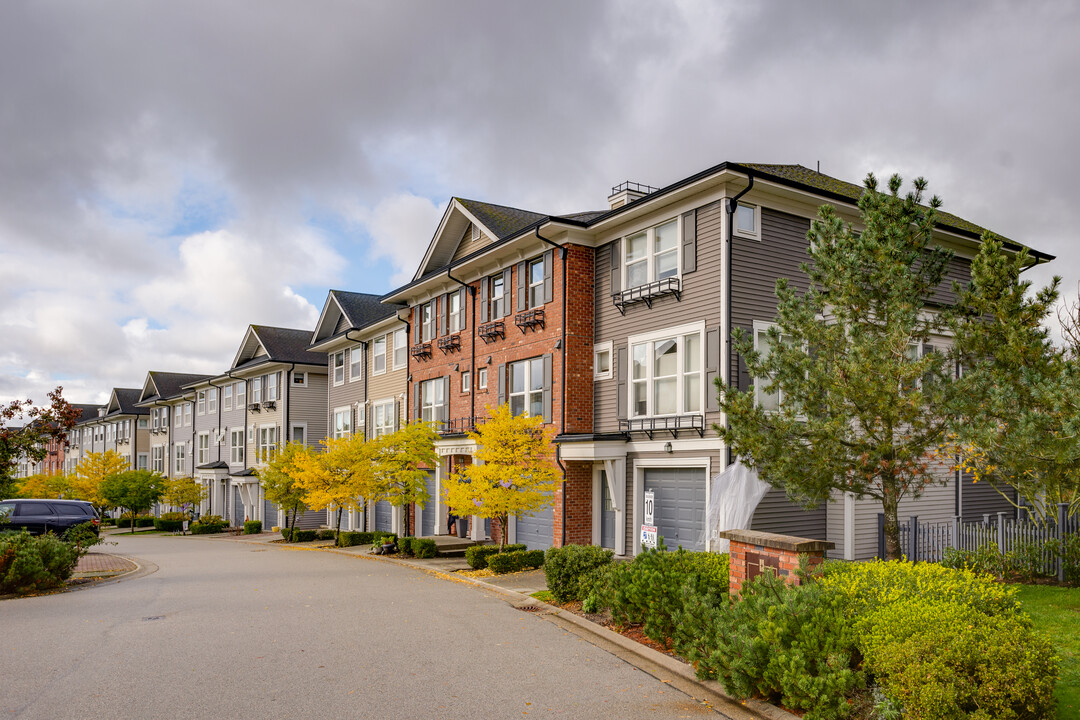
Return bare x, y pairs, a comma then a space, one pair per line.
208, 525
477, 555
507, 562
29, 564
252, 527
325, 534
405, 546
170, 522
351, 539
424, 548
566, 568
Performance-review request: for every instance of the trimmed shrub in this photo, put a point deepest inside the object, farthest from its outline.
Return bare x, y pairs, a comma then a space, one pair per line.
325, 534
951, 660
405, 545
252, 527
868, 586
507, 562
207, 525
108, 521
83, 536
477, 555
424, 548
351, 539
649, 590
381, 538
565, 568
791, 644
29, 564
305, 535
170, 522
145, 521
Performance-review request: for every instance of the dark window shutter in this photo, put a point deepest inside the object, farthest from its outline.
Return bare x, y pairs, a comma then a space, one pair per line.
549, 261
397, 415
418, 322
462, 316
417, 415
689, 241
502, 383
444, 313
444, 409
522, 300
484, 300
712, 368
621, 370
547, 389
615, 254
506, 292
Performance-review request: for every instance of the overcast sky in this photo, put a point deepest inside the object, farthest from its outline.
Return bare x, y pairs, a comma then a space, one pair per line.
173, 171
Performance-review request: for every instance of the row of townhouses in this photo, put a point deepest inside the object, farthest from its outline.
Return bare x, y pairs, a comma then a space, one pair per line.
612, 325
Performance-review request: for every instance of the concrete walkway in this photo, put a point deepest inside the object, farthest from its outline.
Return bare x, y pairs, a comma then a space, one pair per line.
98, 563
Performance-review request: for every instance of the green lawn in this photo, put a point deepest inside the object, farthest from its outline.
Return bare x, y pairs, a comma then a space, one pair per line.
1056, 612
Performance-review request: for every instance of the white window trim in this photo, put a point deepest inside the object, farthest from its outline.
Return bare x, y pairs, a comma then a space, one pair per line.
453, 317
389, 406
525, 394
227, 397
385, 356
436, 384
200, 399
481, 378
211, 400
294, 426
299, 374
199, 448
466, 382
650, 232
334, 366
530, 285
602, 348
353, 365
348, 430
242, 447
404, 346
666, 334
639, 466
756, 234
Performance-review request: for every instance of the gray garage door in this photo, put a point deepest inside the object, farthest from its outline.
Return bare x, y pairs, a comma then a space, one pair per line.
270, 518
536, 530
238, 508
427, 519
384, 516
607, 514
680, 505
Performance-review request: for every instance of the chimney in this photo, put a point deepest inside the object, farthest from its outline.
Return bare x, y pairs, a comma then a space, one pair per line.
627, 192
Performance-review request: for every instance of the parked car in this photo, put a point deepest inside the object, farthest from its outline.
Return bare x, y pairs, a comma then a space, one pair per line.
41, 516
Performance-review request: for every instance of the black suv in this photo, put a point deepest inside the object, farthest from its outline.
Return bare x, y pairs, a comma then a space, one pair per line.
41, 516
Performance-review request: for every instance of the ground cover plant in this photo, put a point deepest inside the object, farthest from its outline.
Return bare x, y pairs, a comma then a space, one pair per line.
1055, 612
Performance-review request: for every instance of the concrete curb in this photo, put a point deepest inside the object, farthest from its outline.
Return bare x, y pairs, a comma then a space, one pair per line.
652, 660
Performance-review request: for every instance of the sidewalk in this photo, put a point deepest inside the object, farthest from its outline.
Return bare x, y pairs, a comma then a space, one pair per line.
98, 564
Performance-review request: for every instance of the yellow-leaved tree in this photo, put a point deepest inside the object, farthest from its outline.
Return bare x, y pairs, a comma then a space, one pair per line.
91, 472
341, 478
402, 460
279, 480
46, 486
184, 493
512, 472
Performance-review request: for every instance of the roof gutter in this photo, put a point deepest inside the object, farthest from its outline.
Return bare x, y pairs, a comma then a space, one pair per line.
562, 372
731, 206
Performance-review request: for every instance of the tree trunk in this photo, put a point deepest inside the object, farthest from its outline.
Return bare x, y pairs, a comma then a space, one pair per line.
337, 530
405, 519
890, 504
504, 520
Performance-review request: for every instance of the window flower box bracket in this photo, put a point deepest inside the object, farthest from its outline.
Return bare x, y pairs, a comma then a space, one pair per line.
420, 351
491, 331
449, 343
647, 293
529, 319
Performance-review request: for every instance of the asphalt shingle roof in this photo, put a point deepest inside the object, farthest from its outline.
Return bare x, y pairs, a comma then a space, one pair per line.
126, 399
169, 384
363, 309
288, 345
500, 219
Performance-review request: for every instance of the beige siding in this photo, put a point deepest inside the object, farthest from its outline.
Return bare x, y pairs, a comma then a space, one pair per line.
467, 245
349, 393
307, 405
700, 301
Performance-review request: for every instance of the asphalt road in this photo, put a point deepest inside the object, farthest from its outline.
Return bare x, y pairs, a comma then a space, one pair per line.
231, 630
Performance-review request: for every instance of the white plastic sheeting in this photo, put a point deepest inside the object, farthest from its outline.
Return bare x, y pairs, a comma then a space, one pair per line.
735, 495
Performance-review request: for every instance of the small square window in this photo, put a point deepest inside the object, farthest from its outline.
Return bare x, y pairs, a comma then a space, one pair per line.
602, 361
299, 379
746, 220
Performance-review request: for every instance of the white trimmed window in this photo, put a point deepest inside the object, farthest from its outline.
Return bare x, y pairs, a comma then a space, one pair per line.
266, 448
378, 355
236, 447
356, 364
454, 318
666, 373
747, 220
164, 417
299, 379
337, 361
527, 387
241, 393
602, 361
401, 350
466, 382
342, 422
211, 400
256, 390
535, 280
498, 297
298, 433
189, 408
769, 401
273, 381
383, 418
143, 423
158, 454
427, 321
432, 400
140, 461
652, 254
481, 378
180, 458
201, 401
204, 448
226, 398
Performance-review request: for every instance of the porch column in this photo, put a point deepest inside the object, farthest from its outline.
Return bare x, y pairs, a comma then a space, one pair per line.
440, 519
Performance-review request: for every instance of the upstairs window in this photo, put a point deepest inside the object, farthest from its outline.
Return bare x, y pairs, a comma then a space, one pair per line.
378, 355
747, 220
236, 447
652, 254
433, 400
204, 448
499, 301
211, 400
665, 375
383, 418
299, 379
342, 422
188, 410
454, 309
201, 399
401, 352
226, 399
241, 389
337, 361
536, 282
527, 387
272, 382
767, 400
256, 390
427, 321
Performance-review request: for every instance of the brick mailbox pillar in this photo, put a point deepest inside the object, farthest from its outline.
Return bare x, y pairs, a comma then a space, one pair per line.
753, 551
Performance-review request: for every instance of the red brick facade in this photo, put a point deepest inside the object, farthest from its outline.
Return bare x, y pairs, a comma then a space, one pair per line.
522, 344
753, 553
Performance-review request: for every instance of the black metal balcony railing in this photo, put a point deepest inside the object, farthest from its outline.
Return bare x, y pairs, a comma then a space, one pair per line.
457, 426
255, 407
492, 331
647, 293
420, 350
529, 319
449, 343
670, 423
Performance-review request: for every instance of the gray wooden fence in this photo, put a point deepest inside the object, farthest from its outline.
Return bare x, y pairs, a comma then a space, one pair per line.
927, 541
